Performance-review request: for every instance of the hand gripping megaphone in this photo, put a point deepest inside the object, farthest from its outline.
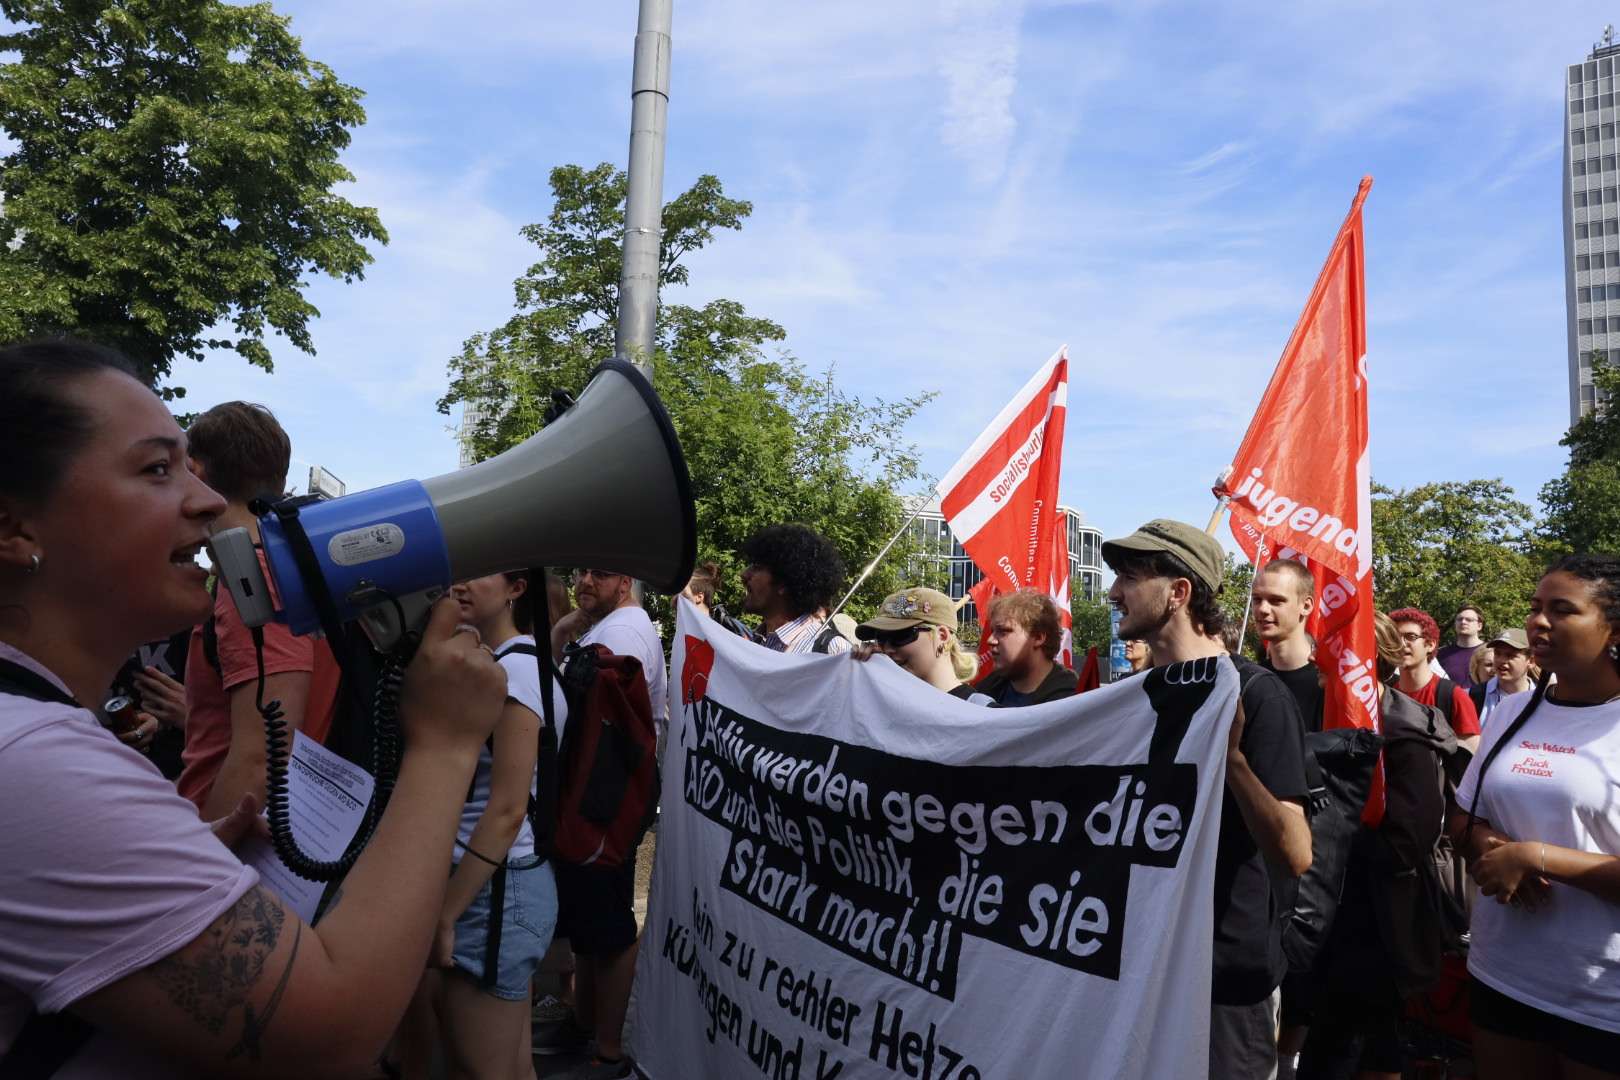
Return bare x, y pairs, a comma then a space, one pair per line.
602, 486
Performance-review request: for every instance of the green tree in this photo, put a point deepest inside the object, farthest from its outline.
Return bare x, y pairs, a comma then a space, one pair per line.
765, 440
1092, 625
170, 180
1439, 546
1582, 506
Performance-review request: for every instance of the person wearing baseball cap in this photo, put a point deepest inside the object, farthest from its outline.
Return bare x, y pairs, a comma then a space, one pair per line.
1167, 583
1514, 673
916, 628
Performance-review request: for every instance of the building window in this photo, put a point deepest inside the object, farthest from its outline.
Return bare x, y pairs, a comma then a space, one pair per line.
1589, 71
1608, 163
1580, 230
1606, 100
1574, 74
1579, 168
1612, 258
1592, 133
1580, 199
1607, 131
1583, 295
1577, 137
1586, 327
1583, 262
1576, 106
1603, 67
1591, 104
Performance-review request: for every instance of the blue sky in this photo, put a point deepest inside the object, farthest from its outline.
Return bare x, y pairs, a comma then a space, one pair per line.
945, 191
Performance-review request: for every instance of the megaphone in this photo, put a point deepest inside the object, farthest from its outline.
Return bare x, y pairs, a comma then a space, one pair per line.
603, 486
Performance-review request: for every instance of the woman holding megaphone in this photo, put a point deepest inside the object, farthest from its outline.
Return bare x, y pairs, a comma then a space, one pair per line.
132, 942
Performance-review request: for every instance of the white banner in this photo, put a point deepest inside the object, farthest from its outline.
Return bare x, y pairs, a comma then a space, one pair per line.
861, 876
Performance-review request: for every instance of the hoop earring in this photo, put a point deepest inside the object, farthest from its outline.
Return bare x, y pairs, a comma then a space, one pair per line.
33, 564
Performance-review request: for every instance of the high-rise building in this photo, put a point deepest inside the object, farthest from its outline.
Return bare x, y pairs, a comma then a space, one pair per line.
958, 573
1591, 218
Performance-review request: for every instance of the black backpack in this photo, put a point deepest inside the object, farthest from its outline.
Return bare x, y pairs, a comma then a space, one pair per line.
1418, 881
1339, 765
47, 1041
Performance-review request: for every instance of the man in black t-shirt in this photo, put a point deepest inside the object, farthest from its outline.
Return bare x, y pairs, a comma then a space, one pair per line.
1168, 575
1283, 597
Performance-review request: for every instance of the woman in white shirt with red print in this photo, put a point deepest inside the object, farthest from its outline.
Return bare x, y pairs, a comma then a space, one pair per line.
1539, 820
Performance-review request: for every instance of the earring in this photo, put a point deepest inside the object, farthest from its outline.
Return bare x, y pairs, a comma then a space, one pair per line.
1614, 652
33, 564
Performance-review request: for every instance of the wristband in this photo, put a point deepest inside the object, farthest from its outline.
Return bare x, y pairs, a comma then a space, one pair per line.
476, 855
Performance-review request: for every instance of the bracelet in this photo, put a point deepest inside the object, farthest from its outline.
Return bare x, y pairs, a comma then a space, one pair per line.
476, 855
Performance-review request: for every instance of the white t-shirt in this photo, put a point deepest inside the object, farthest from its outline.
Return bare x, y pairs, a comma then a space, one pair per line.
104, 870
523, 687
1558, 782
629, 631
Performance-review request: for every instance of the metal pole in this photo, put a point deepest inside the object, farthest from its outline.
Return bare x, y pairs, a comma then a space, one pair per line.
649, 113
871, 566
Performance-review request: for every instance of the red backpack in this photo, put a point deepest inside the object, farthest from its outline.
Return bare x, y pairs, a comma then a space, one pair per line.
607, 766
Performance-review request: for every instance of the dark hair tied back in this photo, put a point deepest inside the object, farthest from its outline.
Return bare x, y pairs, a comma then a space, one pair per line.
41, 426
1603, 571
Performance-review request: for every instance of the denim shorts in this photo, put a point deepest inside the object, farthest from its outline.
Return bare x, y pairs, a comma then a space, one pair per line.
530, 916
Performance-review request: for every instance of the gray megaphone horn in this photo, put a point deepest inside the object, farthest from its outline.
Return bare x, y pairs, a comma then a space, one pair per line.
602, 486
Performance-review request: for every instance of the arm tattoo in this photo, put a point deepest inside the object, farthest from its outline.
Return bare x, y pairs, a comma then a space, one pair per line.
214, 975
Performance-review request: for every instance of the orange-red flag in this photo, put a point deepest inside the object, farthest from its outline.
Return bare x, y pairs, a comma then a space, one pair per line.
1299, 484
1001, 497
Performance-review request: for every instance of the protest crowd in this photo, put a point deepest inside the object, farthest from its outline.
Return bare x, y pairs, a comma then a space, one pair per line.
1476, 917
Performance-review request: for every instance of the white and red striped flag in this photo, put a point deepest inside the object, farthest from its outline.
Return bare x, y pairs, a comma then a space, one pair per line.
1001, 498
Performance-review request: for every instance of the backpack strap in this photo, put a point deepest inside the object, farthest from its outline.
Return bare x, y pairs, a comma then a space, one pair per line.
24, 682
46, 1041
826, 637
1445, 699
1476, 694
1498, 746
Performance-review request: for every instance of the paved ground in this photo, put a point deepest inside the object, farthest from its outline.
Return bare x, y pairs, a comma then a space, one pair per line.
556, 1066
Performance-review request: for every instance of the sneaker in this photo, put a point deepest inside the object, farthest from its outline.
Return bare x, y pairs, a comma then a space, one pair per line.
597, 1069
560, 1035
550, 1009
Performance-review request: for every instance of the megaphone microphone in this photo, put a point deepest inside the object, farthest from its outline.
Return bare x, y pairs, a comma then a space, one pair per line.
604, 485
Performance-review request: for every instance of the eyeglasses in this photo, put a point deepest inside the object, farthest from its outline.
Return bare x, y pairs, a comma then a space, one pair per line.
581, 575
896, 639
1412, 638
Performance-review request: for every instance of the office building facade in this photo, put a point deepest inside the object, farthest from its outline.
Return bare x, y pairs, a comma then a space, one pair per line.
953, 569
1591, 218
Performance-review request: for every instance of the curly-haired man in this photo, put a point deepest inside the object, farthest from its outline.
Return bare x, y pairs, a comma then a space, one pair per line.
792, 577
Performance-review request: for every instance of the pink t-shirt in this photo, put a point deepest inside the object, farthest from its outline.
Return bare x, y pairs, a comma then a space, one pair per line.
208, 702
104, 870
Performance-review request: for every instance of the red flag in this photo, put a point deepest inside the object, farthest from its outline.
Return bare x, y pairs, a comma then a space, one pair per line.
982, 594
1001, 498
1090, 673
1299, 484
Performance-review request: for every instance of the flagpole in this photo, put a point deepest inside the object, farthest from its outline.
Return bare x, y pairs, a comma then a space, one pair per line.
1260, 553
871, 566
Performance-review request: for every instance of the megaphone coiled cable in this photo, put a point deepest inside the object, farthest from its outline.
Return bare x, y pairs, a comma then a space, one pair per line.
385, 755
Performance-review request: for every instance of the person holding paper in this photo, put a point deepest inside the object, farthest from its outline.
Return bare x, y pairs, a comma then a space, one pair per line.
118, 905
501, 906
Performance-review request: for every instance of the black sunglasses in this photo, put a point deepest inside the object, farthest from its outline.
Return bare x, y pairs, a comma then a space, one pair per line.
895, 639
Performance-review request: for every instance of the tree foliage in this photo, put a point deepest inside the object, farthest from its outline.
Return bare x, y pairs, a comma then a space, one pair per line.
1439, 546
765, 440
1582, 506
1092, 626
172, 170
